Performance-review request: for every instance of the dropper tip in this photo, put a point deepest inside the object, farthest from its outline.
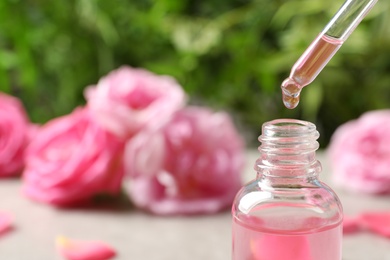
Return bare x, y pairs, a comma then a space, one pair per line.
290, 87
291, 91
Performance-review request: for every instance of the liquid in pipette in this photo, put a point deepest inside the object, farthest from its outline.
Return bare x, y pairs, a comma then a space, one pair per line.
308, 66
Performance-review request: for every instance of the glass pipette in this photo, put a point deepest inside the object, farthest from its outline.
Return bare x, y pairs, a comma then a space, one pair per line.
322, 49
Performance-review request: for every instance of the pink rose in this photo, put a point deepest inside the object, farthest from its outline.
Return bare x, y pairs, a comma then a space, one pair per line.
359, 153
192, 165
129, 99
14, 135
72, 159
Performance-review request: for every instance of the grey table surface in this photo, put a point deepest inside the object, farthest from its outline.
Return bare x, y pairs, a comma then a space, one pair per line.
137, 235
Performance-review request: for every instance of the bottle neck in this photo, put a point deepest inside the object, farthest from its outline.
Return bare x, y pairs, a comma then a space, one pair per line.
288, 149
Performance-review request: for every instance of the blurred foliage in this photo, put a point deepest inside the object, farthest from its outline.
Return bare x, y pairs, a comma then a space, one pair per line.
227, 54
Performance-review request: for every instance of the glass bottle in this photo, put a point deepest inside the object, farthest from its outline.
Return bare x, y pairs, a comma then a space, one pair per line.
286, 212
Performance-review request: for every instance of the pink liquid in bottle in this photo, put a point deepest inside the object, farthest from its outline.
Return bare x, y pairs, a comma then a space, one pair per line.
255, 243
308, 66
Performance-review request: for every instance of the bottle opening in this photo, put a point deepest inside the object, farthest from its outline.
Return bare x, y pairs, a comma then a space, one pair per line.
288, 145
288, 128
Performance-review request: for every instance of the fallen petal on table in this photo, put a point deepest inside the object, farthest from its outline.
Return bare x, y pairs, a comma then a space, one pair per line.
84, 250
376, 222
351, 225
6, 222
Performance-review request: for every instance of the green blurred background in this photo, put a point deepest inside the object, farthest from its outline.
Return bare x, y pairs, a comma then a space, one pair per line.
227, 54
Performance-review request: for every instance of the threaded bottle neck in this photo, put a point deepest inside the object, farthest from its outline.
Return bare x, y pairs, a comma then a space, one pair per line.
288, 148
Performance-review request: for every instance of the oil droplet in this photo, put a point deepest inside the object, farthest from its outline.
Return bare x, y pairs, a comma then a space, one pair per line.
290, 102
291, 91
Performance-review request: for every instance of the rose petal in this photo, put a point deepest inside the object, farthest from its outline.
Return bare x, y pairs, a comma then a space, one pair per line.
350, 225
84, 250
5, 222
377, 222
